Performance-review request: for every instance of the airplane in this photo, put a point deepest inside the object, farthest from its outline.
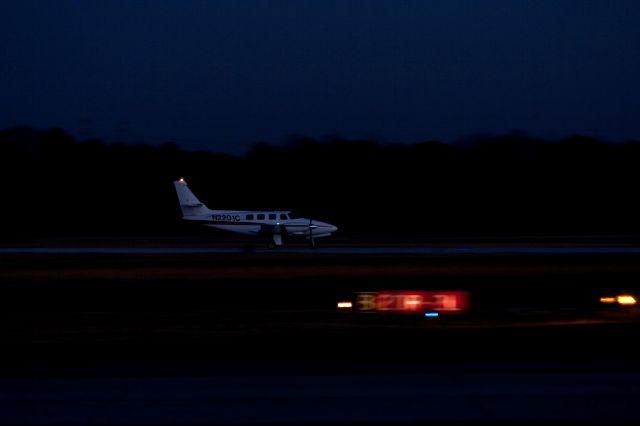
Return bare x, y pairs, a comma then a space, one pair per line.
274, 226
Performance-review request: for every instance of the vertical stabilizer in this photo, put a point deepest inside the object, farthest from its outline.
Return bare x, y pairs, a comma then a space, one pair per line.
189, 203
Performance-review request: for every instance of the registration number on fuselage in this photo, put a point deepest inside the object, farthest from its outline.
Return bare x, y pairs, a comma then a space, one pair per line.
226, 218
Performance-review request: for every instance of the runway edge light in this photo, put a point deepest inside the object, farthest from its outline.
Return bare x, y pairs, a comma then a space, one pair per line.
345, 305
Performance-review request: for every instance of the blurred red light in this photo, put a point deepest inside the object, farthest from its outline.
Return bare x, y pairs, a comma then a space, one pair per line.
413, 301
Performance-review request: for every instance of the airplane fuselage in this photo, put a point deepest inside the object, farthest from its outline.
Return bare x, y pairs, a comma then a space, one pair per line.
256, 222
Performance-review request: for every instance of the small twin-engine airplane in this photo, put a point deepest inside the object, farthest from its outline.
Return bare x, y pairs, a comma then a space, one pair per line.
273, 226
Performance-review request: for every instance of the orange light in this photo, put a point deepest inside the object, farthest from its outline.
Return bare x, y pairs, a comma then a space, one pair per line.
607, 300
412, 302
626, 300
182, 180
345, 305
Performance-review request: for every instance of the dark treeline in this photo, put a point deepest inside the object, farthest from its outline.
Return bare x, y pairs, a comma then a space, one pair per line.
492, 186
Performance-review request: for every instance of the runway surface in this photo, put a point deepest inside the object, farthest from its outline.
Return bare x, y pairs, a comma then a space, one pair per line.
148, 331
441, 395
371, 250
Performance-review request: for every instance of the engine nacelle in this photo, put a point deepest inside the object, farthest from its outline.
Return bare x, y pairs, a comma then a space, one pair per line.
320, 235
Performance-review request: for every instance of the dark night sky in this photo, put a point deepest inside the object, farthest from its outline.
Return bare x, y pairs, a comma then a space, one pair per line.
224, 74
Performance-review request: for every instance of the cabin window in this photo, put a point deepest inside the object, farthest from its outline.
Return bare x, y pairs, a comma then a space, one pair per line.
261, 216
272, 216
283, 217
249, 217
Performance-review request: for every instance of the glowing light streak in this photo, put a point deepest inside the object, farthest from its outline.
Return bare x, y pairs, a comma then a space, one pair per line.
626, 300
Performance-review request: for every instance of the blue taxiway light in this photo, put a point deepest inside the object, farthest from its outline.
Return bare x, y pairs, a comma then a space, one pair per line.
431, 314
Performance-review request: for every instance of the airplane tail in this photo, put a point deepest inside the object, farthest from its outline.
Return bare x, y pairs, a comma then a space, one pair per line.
189, 203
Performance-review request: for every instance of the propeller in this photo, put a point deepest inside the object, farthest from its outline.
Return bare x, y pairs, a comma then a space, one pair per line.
311, 226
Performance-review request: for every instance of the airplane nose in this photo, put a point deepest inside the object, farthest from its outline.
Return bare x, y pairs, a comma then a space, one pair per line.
325, 227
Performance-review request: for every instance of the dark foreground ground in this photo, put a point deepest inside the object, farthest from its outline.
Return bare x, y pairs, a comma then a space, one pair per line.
237, 338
